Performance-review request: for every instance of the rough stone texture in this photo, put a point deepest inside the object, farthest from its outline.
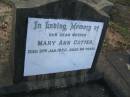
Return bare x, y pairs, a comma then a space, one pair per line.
113, 66
98, 10
103, 6
74, 10
93, 89
6, 22
111, 75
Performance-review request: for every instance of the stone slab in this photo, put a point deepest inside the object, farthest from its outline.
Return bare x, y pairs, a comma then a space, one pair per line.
114, 67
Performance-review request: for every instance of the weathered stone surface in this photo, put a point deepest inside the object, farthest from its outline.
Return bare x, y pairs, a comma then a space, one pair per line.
69, 9
116, 74
103, 6
6, 39
61, 9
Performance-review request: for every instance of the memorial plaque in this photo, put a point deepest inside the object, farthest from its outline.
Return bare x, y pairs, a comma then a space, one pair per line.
55, 45
58, 45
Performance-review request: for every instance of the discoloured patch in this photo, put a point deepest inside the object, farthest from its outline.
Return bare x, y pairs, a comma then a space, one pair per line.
6, 20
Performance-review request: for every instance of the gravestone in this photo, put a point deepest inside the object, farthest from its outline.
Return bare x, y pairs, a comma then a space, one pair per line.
57, 42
